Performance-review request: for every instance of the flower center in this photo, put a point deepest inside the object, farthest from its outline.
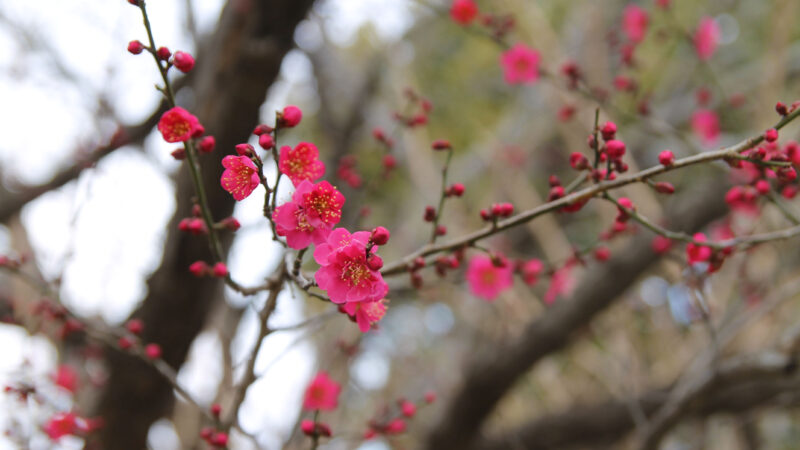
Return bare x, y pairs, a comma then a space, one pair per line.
322, 203
302, 220
180, 128
489, 277
522, 64
355, 272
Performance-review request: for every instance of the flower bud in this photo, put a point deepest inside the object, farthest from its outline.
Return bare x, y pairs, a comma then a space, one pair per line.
666, 158
207, 144
265, 141
608, 131
163, 53
441, 144
380, 236
220, 270
135, 47
152, 351
183, 61
290, 117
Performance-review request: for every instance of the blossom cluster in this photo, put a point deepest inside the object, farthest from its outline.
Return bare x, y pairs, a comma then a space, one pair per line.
349, 266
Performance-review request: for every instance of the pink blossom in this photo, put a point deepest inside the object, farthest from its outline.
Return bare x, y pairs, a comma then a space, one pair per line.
178, 125
240, 177
705, 124
634, 23
561, 283
311, 214
366, 314
706, 38
697, 253
486, 280
322, 394
463, 12
301, 163
346, 274
520, 64
661, 244
66, 377
61, 424
531, 270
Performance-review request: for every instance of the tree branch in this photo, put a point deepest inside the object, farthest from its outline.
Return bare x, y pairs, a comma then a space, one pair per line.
491, 375
741, 384
11, 203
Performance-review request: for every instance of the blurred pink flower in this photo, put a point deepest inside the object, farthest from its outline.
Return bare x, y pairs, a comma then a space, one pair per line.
366, 313
521, 64
322, 394
705, 124
634, 23
561, 283
486, 280
706, 38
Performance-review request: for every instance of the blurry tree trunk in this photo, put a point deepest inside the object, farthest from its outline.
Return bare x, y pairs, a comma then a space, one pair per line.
235, 69
492, 374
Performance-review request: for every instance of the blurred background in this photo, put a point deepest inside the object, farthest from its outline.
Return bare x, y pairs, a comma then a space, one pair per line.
97, 221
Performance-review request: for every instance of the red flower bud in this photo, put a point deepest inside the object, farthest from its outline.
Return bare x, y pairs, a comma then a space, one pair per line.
198, 268
456, 189
578, 162
231, 223
216, 409
135, 326
441, 144
762, 186
163, 53
615, 149
220, 270
207, 144
183, 61
771, 135
608, 131
430, 214
374, 262
664, 187
666, 158
308, 427
602, 253
265, 141
135, 47
125, 342
290, 117
262, 129
179, 154
152, 351
380, 236
245, 150
220, 439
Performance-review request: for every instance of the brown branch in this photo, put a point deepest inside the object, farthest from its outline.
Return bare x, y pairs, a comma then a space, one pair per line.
276, 287
11, 203
742, 384
579, 196
491, 375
